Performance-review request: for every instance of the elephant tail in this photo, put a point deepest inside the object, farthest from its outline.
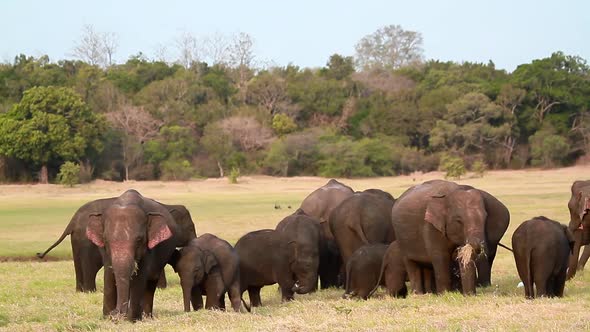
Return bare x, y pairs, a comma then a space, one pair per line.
505, 247
383, 265
66, 232
245, 305
529, 274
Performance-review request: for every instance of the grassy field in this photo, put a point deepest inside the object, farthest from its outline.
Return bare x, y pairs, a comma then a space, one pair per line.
40, 296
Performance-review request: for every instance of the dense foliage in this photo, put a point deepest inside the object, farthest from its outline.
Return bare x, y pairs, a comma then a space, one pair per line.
147, 119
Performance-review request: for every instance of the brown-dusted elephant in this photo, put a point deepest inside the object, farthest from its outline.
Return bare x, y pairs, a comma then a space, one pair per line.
136, 237
361, 219
541, 250
208, 265
579, 225
393, 273
431, 221
288, 255
319, 204
362, 270
86, 255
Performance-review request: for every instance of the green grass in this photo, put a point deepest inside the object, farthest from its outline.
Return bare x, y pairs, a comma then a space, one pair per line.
40, 296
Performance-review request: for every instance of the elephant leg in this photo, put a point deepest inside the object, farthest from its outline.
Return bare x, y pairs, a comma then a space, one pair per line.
415, 275
442, 273
573, 260
215, 290
109, 299
148, 298
286, 293
559, 285
196, 298
79, 273
254, 294
428, 282
90, 269
541, 284
584, 258
162, 282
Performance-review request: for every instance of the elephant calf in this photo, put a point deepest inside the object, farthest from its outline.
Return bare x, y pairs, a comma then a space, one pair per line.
541, 250
210, 266
393, 273
362, 270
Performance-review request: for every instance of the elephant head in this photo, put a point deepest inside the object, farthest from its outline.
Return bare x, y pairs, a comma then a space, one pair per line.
192, 265
460, 216
126, 231
581, 205
303, 262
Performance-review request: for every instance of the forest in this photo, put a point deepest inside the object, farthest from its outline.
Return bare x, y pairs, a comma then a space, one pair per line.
383, 111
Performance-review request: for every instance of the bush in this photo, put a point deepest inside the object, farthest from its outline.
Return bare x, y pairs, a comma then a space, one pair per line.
175, 169
453, 166
233, 175
479, 168
69, 174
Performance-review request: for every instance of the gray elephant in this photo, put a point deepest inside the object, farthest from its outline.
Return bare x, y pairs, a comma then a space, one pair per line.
319, 204
361, 219
362, 270
208, 265
541, 248
136, 237
86, 255
434, 219
393, 273
579, 225
288, 255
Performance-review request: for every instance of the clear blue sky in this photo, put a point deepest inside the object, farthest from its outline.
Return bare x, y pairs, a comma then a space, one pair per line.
305, 32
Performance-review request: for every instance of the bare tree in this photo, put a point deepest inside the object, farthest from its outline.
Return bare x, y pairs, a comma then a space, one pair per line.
241, 57
188, 49
269, 91
389, 47
581, 126
96, 48
509, 99
247, 132
137, 125
216, 48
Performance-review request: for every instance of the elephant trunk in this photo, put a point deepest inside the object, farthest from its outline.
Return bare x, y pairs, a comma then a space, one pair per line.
124, 267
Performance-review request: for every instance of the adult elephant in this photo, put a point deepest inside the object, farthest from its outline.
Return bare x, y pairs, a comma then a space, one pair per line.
319, 204
431, 221
579, 225
361, 219
86, 255
136, 236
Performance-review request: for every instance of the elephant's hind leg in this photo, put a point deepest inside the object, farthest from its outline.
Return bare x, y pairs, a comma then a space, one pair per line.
254, 294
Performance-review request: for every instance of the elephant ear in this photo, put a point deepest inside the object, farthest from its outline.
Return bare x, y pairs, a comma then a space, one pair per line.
210, 262
95, 229
158, 229
436, 213
570, 238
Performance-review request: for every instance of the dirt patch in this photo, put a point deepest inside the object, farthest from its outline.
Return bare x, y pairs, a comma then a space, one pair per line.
4, 259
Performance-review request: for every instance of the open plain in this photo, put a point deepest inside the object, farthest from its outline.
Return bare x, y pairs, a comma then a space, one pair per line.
40, 295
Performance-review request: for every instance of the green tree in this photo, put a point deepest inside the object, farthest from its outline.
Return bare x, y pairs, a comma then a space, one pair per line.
453, 167
50, 124
69, 174
282, 124
547, 148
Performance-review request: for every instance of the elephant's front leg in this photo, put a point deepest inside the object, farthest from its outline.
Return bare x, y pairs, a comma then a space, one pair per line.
148, 298
109, 302
441, 263
196, 298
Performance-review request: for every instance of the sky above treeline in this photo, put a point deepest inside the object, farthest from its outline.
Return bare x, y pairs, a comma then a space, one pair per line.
304, 33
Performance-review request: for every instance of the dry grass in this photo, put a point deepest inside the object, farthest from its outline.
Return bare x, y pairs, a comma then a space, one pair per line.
40, 296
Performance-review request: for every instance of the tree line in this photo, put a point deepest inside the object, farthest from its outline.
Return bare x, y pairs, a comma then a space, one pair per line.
384, 111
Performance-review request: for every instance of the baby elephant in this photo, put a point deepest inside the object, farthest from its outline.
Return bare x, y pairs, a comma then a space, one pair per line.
393, 272
362, 270
210, 266
541, 251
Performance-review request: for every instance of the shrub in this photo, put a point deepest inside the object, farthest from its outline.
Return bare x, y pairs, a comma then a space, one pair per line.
69, 174
453, 166
176, 169
233, 175
479, 168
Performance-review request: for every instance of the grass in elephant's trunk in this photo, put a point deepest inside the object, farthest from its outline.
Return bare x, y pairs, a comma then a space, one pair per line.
465, 254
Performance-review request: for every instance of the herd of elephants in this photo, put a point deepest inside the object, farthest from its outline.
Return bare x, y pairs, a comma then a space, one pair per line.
438, 235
